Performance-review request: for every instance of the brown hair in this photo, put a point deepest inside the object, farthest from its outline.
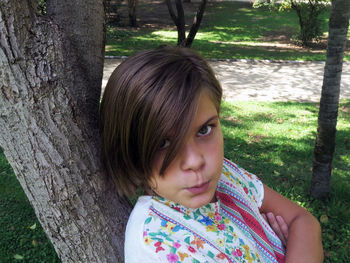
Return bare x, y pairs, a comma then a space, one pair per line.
150, 96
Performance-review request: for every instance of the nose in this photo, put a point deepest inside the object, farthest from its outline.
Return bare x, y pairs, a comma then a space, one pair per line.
192, 157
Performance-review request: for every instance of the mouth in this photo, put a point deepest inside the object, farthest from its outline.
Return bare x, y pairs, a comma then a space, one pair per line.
198, 188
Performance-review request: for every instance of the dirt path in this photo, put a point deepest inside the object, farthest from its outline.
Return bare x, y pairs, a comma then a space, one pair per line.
267, 81
248, 80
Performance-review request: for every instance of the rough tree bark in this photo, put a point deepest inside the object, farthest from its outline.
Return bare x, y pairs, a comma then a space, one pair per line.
179, 21
50, 83
328, 113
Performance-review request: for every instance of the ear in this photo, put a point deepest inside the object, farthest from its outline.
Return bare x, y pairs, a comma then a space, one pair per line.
152, 186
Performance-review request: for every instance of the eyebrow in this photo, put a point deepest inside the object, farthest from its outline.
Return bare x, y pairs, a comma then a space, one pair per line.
205, 123
209, 120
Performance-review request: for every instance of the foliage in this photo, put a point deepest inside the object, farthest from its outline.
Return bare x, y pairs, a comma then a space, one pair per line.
273, 140
308, 12
42, 6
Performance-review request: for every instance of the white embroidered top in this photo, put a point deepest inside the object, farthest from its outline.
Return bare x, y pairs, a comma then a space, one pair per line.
229, 230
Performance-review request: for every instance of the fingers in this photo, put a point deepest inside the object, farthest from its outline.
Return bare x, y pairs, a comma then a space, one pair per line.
283, 226
277, 225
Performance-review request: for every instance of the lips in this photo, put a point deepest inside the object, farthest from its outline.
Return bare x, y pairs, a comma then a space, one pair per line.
199, 188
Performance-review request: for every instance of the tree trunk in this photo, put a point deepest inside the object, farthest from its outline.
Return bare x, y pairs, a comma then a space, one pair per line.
179, 21
196, 23
50, 81
327, 118
181, 30
132, 12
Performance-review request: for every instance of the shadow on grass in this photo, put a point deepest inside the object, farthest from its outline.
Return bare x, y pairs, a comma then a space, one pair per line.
285, 165
223, 24
276, 155
211, 50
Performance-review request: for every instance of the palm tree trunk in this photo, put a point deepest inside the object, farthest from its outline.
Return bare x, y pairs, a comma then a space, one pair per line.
328, 113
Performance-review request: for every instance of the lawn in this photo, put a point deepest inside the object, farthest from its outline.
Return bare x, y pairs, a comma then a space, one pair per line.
230, 30
273, 140
21, 237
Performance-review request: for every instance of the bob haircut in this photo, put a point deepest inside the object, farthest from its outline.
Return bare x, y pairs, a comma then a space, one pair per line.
151, 97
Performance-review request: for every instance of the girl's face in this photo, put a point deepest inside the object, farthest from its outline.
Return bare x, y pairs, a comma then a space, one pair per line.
192, 177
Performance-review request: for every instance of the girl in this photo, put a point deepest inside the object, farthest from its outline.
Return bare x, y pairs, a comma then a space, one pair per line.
161, 133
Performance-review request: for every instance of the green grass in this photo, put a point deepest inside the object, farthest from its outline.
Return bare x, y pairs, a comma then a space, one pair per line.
21, 237
229, 30
273, 140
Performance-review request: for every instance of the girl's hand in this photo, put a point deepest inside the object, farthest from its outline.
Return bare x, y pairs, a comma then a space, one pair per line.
304, 231
278, 225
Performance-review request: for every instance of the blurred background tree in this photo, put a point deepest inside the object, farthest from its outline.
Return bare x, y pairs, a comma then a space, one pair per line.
179, 20
308, 14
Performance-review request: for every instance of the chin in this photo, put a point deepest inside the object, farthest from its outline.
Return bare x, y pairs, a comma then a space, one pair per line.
202, 201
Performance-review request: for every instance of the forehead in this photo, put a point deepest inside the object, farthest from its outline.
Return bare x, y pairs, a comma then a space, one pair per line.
205, 110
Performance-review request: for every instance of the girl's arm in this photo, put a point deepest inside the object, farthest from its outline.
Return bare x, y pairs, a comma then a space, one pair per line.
304, 242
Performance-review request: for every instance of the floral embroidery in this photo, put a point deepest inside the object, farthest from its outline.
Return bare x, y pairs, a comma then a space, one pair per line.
221, 256
220, 242
219, 238
183, 255
172, 258
176, 245
199, 243
191, 249
147, 240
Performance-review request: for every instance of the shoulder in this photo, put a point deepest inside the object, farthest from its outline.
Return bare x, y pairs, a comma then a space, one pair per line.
242, 181
134, 239
140, 211
133, 232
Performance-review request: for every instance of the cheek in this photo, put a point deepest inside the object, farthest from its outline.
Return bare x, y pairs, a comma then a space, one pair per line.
165, 181
216, 154
216, 147
158, 161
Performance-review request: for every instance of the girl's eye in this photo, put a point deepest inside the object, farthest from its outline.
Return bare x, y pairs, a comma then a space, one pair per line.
164, 144
205, 130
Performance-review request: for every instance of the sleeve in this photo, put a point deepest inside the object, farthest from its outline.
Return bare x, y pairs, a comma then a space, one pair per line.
135, 250
248, 182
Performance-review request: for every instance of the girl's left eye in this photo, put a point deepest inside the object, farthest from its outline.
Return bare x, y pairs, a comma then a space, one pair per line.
205, 130
164, 144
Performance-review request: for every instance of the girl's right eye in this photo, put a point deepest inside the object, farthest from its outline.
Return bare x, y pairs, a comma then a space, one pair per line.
205, 130
164, 144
